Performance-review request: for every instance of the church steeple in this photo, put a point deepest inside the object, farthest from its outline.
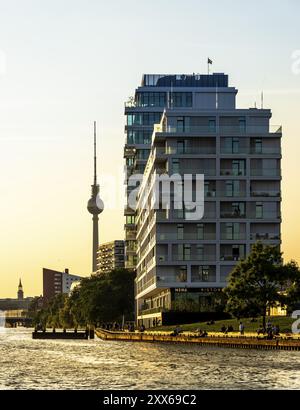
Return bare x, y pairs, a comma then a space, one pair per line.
20, 291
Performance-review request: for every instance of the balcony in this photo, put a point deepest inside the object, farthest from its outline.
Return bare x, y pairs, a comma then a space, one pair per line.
233, 172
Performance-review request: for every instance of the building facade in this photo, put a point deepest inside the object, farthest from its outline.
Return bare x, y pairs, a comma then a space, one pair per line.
110, 257
156, 93
55, 283
182, 262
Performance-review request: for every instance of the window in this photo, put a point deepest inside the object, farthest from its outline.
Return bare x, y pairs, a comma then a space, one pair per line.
204, 273
200, 232
180, 232
232, 188
178, 99
258, 146
238, 167
200, 253
130, 220
175, 166
182, 274
232, 231
259, 210
232, 145
187, 252
180, 124
242, 125
212, 125
180, 147
238, 209
151, 99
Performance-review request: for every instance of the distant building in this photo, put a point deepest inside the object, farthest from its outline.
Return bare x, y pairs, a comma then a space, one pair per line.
55, 283
110, 256
20, 291
20, 303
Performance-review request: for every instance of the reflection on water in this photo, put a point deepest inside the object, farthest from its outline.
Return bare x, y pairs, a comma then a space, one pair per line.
35, 364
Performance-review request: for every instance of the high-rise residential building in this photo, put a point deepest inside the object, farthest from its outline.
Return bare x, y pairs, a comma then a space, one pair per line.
55, 283
156, 93
110, 257
184, 262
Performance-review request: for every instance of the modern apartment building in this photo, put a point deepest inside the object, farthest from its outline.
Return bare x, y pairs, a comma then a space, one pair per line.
184, 262
110, 257
156, 93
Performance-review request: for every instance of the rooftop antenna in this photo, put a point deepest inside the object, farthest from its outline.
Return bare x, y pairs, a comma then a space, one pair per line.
262, 100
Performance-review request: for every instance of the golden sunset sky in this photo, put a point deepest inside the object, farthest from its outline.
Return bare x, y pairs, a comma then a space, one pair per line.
64, 64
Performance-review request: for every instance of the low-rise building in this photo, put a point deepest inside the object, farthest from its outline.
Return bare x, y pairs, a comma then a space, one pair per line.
55, 283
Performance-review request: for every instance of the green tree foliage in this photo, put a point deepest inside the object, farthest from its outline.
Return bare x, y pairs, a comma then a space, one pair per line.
261, 281
99, 298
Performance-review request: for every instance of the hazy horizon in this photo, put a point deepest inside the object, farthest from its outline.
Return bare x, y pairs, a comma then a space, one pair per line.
62, 66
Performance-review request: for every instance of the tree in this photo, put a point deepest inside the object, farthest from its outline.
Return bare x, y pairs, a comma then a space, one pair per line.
259, 282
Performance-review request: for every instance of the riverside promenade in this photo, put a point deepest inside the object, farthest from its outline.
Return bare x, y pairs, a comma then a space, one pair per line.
234, 340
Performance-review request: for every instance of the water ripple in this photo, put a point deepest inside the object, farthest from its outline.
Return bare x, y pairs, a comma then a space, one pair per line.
34, 364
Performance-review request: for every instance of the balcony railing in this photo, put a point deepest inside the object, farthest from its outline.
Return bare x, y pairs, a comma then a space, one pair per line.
232, 215
267, 172
265, 193
233, 172
195, 258
264, 236
222, 129
264, 215
186, 237
235, 237
229, 258
235, 194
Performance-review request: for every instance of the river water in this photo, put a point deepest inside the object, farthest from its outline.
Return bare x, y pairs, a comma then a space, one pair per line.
36, 364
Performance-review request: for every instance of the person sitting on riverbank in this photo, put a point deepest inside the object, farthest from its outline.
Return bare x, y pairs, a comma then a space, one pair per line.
176, 331
142, 328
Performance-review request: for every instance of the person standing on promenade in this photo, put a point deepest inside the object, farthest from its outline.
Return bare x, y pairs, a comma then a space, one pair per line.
242, 328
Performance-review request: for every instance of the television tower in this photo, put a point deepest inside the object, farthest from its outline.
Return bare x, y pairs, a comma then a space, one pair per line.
95, 206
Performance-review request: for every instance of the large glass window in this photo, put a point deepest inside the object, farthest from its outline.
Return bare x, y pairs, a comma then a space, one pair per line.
178, 100
142, 119
151, 99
